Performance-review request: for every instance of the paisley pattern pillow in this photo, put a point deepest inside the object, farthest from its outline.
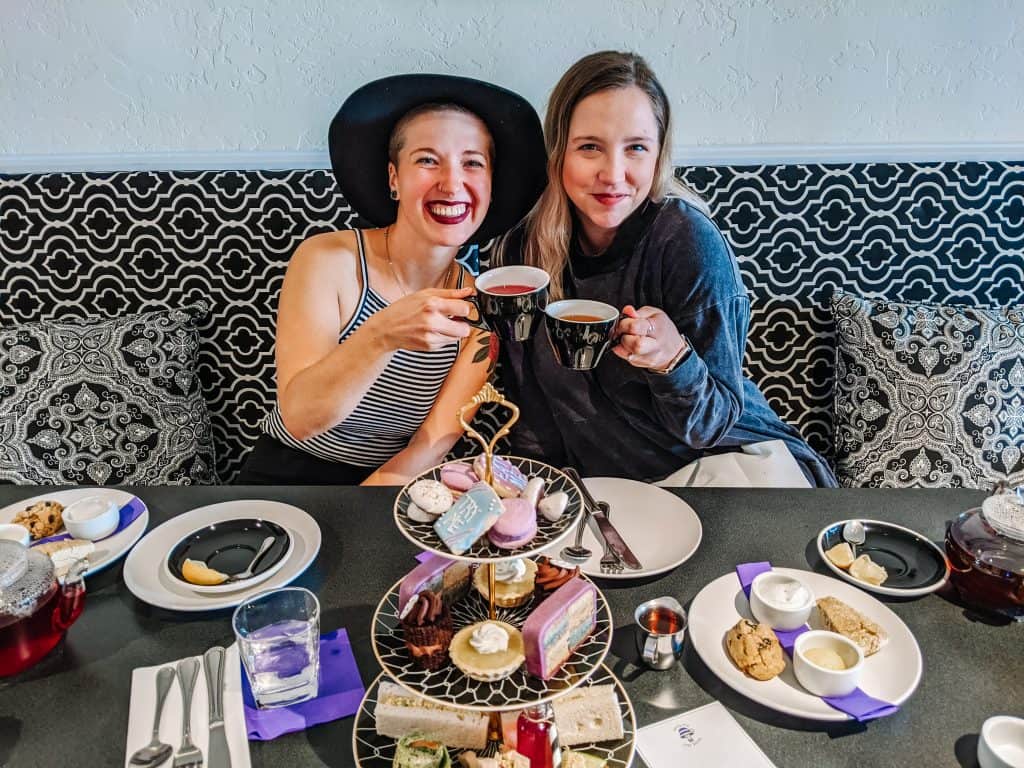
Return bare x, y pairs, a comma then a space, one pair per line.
928, 396
104, 402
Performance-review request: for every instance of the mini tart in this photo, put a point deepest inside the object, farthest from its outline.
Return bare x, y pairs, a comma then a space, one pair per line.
487, 667
507, 594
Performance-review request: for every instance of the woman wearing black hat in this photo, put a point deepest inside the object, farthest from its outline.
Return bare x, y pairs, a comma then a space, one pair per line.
374, 356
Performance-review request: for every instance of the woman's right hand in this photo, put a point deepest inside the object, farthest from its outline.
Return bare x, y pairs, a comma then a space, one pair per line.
425, 320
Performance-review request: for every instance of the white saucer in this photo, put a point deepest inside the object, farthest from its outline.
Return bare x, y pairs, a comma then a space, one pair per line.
108, 550
891, 674
661, 529
152, 583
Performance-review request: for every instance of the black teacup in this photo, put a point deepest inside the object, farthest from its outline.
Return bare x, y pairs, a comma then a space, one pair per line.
511, 300
580, 331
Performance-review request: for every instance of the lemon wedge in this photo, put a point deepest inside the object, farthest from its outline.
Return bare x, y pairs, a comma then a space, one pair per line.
196, 572
841, 555
867, 570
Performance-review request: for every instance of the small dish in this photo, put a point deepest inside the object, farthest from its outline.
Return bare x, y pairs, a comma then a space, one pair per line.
92, 518
1001, 743
229, 547
780, 601
822, 681
915, 565
15, 532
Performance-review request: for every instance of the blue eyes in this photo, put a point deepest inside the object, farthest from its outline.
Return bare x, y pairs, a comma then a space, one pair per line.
433, 161
594, 148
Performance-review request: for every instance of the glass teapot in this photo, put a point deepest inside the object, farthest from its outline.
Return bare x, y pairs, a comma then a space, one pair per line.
35, 608
985, 546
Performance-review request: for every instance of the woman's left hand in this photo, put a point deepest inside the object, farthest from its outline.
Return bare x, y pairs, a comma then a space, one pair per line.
647, 338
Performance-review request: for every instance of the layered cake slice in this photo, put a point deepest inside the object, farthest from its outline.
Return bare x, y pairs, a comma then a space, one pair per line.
449, 578
558, 626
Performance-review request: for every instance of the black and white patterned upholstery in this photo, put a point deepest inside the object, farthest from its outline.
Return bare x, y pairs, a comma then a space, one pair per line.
108, 244
928, 395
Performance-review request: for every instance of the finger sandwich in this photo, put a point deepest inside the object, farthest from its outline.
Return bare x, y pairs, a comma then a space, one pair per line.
400, 713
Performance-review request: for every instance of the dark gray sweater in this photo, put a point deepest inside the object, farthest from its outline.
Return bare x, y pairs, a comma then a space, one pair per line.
622, 421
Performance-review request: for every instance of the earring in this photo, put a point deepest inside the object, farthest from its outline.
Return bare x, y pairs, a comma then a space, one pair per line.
394, 194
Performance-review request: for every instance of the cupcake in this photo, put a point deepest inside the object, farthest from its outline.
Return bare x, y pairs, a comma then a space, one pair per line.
551, 574
488, 650
427, 627
513, 582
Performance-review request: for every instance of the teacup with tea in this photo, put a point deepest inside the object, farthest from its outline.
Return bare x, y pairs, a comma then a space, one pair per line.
580, 331
511, 300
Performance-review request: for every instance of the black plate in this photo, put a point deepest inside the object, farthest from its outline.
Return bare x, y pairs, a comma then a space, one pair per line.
911, 561
230, 546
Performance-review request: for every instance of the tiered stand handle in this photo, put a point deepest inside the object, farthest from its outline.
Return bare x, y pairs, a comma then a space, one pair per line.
488, 394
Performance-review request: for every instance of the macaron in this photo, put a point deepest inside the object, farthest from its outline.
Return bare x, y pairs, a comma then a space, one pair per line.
508, 481
516, 526
458, 476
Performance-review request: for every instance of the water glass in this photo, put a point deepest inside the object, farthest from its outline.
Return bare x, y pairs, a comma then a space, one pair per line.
279, 641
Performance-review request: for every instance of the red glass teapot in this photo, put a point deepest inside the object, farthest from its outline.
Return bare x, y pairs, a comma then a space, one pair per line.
35, 608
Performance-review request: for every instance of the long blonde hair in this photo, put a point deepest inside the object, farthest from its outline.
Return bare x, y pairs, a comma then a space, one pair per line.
548, 227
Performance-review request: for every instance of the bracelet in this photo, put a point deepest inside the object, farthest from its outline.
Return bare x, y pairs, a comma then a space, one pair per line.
674, 363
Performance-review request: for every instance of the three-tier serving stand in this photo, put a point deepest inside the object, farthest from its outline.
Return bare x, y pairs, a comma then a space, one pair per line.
448, 685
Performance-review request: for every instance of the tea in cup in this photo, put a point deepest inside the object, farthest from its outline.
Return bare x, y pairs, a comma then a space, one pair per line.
580, 331
510, 301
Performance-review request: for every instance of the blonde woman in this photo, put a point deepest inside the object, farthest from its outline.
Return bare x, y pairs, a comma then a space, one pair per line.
616, 226
374, 356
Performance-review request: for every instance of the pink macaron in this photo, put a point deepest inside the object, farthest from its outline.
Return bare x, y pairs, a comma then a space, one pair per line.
516, 526
458, 476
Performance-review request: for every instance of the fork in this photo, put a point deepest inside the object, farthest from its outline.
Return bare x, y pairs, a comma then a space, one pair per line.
188, 754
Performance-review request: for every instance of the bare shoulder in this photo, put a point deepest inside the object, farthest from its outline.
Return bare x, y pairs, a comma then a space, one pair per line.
329, 255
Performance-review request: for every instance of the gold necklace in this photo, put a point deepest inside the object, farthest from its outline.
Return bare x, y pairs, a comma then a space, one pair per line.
394, 272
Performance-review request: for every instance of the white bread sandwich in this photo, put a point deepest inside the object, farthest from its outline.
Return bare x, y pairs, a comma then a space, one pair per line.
399, 713
588, 714
65, 553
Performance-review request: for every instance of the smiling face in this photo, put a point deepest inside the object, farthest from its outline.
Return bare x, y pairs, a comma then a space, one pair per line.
442, 173
610, 160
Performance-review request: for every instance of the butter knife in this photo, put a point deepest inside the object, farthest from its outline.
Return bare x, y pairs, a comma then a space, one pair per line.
213, 665
614, 538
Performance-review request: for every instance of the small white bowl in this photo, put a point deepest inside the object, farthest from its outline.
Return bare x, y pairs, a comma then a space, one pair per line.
1001, 743
827, 682
769, 606
91, 517
15, 532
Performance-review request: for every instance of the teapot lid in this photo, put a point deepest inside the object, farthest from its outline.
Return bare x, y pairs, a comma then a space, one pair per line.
1004, 511
26, 576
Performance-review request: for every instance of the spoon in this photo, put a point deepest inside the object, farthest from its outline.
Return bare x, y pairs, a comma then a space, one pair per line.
577, 552
156, 751
247, 573
853, 534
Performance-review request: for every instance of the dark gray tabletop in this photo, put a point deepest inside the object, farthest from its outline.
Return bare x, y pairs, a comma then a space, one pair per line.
72, 710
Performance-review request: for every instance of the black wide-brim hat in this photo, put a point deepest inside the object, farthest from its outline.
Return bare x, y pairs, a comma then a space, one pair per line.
359, 134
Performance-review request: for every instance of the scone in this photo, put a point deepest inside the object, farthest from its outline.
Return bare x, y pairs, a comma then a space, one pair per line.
755, 649
42, 519
488, 650
837, 616
513, 582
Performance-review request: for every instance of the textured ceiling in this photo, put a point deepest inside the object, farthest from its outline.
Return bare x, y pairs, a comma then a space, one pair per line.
183, 75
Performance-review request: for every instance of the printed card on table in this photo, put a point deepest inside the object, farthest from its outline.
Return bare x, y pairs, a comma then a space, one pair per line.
706, 736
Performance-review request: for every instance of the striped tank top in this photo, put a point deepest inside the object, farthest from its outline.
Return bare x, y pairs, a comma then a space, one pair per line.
392, 409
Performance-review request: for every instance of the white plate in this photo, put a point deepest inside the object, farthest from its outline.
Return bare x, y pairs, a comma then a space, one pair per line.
891, 674
661, 529
108, 550
153, 584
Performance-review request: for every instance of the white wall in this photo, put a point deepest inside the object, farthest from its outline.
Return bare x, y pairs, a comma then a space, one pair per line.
194, 76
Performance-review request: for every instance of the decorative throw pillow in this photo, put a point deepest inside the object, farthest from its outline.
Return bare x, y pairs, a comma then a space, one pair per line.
104, 402
928, 396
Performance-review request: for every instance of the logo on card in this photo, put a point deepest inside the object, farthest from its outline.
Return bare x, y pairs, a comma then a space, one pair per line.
688, 736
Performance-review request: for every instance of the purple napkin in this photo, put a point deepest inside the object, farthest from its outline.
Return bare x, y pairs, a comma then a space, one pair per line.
129, 513
424, 556
341, 690
857, 704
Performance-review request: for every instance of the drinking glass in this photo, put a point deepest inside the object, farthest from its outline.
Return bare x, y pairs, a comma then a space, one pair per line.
279, 641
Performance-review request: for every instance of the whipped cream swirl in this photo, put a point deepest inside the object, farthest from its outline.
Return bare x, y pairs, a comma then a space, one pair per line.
489, 638
510, 570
